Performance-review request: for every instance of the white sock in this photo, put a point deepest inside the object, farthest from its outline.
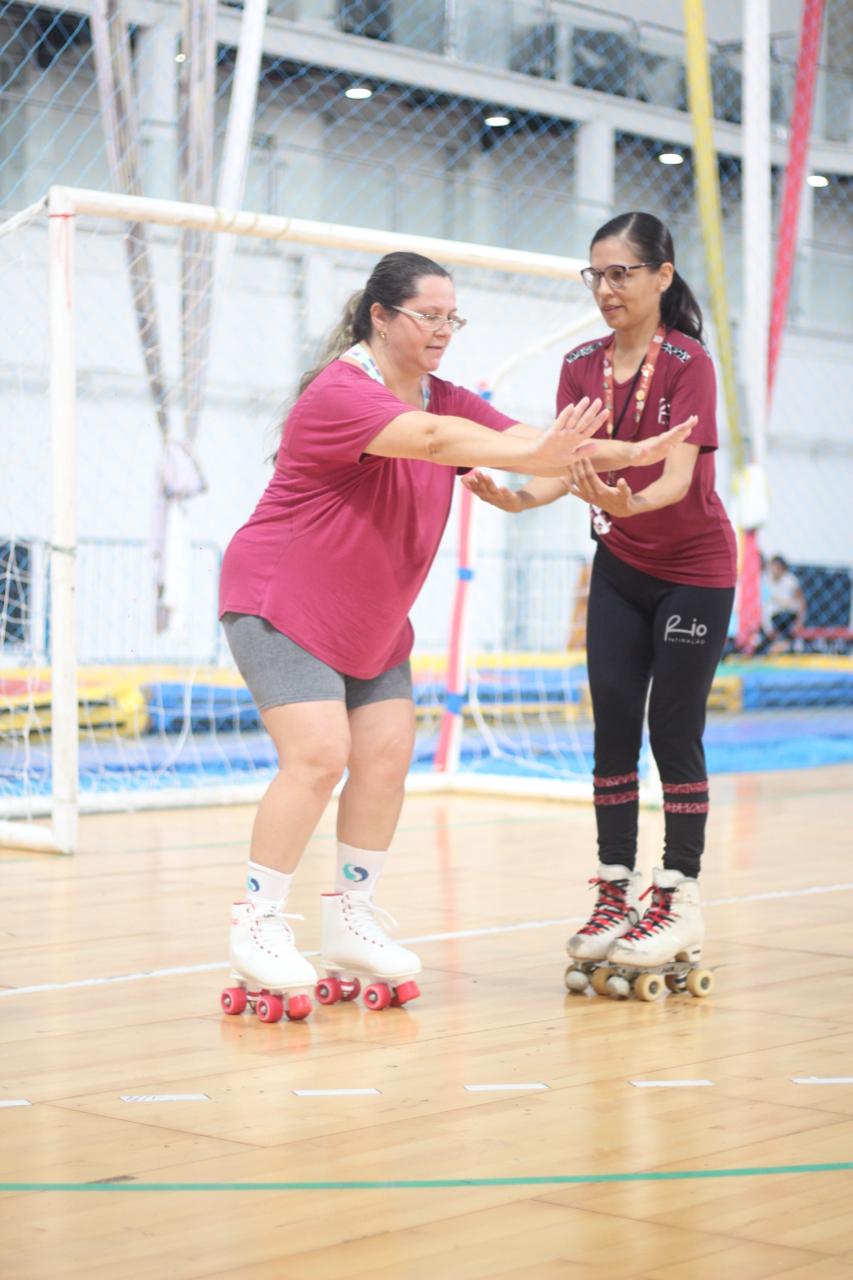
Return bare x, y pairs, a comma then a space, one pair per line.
358, 868
265, 885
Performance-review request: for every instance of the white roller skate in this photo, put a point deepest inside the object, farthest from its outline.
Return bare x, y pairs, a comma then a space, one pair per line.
268, 972
354, 947
665, 948
615, 912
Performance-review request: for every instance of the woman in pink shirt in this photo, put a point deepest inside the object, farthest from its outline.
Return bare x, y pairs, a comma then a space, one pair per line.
661, 593
315, 593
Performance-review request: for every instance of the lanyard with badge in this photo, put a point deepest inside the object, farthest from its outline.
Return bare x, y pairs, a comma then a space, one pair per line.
600, 523
363, 357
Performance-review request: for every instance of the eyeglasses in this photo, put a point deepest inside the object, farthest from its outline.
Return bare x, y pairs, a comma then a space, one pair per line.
432, 322
615, 275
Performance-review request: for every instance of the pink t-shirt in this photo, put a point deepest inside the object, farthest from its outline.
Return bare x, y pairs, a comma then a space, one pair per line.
691, 541
341, 541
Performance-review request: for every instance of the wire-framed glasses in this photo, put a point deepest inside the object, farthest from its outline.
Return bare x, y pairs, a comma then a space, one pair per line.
616, 274
434, 322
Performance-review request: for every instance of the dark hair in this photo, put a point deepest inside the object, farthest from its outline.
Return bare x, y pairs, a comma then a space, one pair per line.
392, 281
650, 239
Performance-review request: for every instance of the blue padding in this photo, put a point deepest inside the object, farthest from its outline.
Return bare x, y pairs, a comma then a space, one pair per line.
465, 575
209, 708
791, 687
455, 703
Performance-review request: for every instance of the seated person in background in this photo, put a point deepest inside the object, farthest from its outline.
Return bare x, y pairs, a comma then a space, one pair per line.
785, 608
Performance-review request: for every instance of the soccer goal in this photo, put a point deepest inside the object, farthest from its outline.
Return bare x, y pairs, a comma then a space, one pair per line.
152, 351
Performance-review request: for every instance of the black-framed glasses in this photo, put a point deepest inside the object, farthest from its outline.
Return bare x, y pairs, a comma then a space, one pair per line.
616, 274
434, 322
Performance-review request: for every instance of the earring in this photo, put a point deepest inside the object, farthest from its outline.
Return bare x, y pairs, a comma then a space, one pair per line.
382, 334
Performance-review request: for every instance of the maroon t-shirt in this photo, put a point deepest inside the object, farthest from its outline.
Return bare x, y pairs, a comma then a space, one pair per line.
341, 541
691, 541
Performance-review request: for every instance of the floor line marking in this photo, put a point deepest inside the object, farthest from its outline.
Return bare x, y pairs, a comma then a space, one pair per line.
670, 1084
485, 932
407, 1184
509, 1088
164, 1097
822, 1079
15, 1102
336, 1093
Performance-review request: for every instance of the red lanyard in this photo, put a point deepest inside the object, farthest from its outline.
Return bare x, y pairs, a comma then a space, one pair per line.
644, 373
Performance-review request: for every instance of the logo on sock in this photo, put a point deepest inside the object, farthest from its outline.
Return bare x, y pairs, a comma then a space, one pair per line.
253, 885
352, 872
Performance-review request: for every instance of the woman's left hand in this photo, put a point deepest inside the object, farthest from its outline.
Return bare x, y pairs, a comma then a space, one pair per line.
584, 482
658, 448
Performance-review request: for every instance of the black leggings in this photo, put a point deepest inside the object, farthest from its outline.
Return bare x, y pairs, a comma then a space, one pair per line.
641, 631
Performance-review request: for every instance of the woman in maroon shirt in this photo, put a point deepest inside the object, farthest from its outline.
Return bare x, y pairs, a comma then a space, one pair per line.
315, 593
661, 593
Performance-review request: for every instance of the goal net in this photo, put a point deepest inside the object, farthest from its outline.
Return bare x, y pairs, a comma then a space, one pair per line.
152, 352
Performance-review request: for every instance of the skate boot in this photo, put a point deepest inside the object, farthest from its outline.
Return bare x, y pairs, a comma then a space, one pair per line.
615, 912
268, 972
354, 947
665, 948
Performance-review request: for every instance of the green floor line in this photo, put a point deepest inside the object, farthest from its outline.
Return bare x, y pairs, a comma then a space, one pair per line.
430, 1184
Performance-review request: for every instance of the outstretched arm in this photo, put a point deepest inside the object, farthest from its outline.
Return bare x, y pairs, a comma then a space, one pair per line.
618, 500
615, 455
459, 442
535, 493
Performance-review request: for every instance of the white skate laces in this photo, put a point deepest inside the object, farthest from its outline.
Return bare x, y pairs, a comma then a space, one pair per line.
269, 929
362, 916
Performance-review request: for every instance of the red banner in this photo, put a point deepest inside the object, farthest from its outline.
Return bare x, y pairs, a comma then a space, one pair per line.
798, 145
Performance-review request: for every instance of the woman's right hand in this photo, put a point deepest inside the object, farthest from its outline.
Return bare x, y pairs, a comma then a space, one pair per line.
484, 487
569, 435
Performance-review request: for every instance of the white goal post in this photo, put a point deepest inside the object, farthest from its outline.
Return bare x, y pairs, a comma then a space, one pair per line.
64, 207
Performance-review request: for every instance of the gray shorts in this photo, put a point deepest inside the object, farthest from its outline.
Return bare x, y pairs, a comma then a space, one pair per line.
277, 671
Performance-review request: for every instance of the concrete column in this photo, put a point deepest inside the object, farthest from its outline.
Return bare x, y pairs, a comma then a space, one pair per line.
156, 81
836, 122
595, 160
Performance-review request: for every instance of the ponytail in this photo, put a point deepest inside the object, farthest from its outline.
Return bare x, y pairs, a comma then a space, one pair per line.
353, 327
680, 310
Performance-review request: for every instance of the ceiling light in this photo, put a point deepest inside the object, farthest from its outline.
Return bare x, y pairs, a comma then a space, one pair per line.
817, 180
497, 121
180, 57
358, 92
671, 157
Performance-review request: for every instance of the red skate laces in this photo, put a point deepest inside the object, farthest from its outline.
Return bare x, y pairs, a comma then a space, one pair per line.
658, 915
610, 908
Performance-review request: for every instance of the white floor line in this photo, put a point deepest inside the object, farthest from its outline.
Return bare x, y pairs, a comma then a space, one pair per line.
487, 932
165, 1097
15, 1102
822, 1079
501, 1088
335, 1093
670, 1084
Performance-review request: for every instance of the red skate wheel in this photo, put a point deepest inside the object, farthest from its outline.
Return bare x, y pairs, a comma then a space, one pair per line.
350, 988
328, 991
404, 993
377, 996
298, 1007
269, 1008
233, 1000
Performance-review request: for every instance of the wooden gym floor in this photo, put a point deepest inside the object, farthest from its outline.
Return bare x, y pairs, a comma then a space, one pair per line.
111, 964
